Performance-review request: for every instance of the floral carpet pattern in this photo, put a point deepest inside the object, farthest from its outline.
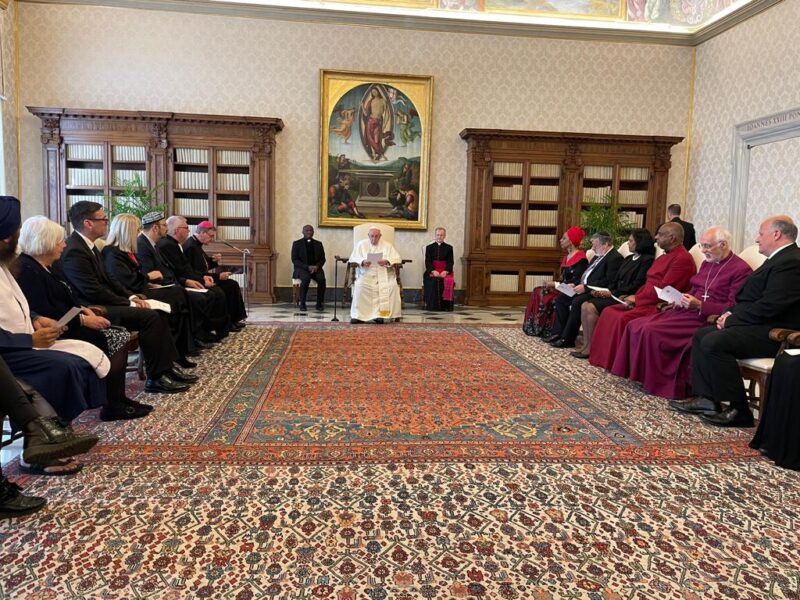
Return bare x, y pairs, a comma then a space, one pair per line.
322, 461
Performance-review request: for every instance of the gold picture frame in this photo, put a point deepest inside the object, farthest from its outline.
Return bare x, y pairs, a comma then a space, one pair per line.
375, 132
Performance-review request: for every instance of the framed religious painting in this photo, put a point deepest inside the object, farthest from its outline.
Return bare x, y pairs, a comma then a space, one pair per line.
375, 137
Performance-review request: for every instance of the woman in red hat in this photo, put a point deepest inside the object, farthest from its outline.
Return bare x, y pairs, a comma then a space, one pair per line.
539, 315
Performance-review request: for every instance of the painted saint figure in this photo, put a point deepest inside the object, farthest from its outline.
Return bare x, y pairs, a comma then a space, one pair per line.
377, 123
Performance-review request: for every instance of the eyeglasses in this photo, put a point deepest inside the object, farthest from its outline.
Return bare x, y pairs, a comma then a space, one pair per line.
92, 219
182, 227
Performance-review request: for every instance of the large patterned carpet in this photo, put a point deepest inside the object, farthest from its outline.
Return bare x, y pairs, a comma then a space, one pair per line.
408, 461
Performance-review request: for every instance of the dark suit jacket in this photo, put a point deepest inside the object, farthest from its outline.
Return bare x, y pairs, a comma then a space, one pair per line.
47, 295
689, 238
150, 260
86, 275
445, 253
605, 273
197, 257
124, 271
632, 274
771, 295
300, 255
172, 254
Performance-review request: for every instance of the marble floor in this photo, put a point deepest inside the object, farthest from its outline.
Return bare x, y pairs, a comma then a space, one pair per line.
287, 313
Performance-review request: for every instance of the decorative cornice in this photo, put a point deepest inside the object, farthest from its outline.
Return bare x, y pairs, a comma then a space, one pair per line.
448, 22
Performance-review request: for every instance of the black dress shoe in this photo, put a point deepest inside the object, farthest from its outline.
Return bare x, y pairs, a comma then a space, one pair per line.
178, 374
237, 326
14, 504
696, 406
202, 344
137, 404
122, 412
562, 343
732, 417
319, 308
46, 439
355, 321
303, 308
193, 353
186, 363
379, 321
579, 354
164, 385
552, 338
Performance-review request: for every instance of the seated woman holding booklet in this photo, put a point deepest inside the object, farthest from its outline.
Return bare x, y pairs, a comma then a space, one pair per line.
42, 242
630, 277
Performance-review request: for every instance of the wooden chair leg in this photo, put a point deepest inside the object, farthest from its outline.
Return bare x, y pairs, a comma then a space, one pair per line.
140, 366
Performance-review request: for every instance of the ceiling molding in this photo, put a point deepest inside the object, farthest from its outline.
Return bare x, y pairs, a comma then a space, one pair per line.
451, 23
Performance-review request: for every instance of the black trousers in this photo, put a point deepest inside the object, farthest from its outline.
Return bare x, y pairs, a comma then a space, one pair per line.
715, 372
234, 301
568, 315
211, 310
115, 380
305, 281
155, 338
180, 319
14, 402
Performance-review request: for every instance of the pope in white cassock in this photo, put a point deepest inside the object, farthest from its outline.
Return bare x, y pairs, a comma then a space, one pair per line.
376, 295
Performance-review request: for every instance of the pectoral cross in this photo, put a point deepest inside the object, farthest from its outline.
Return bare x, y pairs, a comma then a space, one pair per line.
705, 296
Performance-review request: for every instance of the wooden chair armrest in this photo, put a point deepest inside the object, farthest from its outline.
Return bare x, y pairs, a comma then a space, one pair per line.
793, 339
406, 260
341, 259
779, 334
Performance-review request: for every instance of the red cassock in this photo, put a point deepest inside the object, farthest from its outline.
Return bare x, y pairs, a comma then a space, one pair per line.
656, 350
674, 268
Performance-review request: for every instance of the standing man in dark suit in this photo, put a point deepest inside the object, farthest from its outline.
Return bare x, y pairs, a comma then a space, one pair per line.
207, 265
601, 272
308, 257
770, 297
674, 215
83, 268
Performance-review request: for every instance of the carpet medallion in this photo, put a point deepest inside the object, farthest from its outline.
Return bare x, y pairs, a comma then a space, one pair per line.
406, 462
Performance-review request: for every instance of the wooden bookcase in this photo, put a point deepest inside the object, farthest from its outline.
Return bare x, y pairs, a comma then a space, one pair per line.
525, 188
213, 167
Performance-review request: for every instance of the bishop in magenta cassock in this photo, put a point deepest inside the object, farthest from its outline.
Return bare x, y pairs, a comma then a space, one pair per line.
674, 268
656, 350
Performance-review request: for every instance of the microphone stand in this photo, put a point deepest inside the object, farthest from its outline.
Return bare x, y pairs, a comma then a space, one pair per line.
245, 253
338, 259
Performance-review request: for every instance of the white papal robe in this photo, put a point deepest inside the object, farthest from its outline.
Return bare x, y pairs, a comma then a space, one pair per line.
375, 293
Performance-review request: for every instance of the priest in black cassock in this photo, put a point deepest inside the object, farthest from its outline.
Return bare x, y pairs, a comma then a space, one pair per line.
438, 280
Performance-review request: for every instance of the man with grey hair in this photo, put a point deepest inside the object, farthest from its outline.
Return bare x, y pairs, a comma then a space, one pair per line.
171, 249
656, 350
601, 272
770, 297
376, 295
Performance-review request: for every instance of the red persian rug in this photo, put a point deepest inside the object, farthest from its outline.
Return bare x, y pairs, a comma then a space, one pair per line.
407, 461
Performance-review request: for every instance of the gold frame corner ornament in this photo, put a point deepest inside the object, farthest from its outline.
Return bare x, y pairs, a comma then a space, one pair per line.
366, 177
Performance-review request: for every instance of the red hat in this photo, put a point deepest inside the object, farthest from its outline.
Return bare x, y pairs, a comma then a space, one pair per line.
575, 235
205, 225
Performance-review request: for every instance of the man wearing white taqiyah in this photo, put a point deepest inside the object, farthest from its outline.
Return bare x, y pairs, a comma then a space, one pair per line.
376, 295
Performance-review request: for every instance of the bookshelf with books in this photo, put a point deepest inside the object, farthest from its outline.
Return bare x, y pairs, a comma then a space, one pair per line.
215, 167
524, 188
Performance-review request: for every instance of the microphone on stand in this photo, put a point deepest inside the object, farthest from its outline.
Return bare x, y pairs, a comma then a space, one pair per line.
245, 252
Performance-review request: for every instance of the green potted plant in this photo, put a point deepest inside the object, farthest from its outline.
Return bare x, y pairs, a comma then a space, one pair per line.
604, 216
135, 198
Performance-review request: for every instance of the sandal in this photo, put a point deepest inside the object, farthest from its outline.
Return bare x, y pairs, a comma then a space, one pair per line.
54, 468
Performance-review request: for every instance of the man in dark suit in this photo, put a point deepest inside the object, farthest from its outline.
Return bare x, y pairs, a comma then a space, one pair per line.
438, 282
770, 297
172, 253
308, 257
601, 272
674, 215
207, 265
83, 268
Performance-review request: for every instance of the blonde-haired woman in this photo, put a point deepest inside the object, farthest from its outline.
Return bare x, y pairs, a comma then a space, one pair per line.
119, 258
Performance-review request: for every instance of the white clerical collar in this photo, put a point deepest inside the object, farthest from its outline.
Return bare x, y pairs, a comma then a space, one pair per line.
778, 250
89, 242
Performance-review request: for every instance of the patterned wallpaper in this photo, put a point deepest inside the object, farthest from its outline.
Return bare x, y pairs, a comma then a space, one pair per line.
9, 90
747, 72
136, 59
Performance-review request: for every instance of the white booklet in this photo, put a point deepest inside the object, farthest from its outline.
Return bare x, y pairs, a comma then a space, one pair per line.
604, 289
565, 289
68, 316
197, 290
373, 259
669, 294
159, 305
